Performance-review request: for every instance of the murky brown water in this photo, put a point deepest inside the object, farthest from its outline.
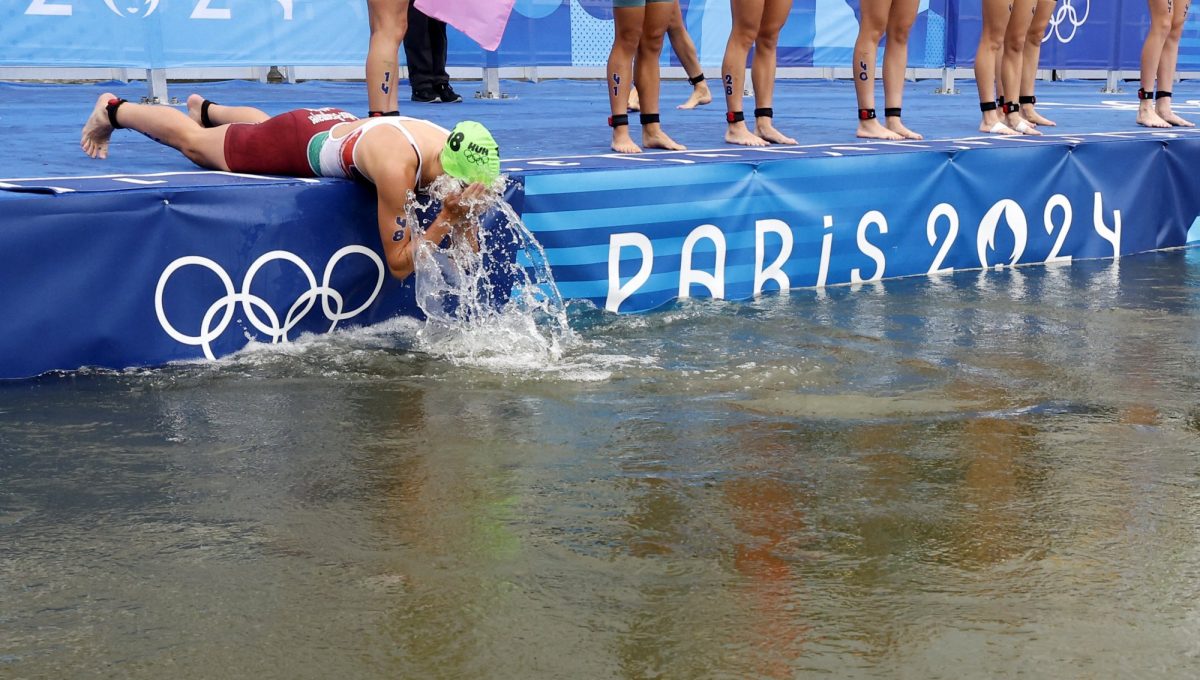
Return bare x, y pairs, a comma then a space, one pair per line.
991, 475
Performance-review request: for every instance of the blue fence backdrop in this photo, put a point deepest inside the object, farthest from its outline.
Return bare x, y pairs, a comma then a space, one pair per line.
1106, 34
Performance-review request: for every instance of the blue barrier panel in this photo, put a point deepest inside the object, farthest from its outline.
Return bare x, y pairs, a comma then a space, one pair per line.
1084, 35
193, 266
732, 230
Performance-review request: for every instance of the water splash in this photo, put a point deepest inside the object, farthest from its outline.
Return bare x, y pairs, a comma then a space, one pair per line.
496, 306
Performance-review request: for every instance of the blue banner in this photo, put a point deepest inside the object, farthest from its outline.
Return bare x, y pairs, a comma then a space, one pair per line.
734, 230
198, 33
143, 270
149, 269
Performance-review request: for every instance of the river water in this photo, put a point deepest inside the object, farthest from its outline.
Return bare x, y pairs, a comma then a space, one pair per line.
992, 474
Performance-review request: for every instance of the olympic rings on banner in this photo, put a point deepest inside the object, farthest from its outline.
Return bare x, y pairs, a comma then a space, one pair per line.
1067, 17
277, 330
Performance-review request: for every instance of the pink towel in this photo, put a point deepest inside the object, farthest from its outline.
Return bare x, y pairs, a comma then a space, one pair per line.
482, 20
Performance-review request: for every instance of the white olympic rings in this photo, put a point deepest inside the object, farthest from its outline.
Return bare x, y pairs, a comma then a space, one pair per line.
1066, 16
272, 328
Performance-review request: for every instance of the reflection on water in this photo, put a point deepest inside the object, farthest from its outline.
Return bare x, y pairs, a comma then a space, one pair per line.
978, 476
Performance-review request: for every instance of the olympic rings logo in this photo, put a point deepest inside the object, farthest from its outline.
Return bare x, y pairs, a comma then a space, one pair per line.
1066, 16
331, 300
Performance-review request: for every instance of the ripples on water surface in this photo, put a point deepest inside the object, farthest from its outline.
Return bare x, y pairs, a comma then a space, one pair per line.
979, 476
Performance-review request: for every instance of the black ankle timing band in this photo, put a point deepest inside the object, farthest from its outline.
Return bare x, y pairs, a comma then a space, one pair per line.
891, 112
1011, 107
734, 117
987, 106
1027, 99
648, 118
1144, 95
204, 119
866, 114
111, 109
696, 80
1162, 94
618, 120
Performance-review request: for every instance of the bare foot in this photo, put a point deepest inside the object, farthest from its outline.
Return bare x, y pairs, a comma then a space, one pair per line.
871, 129
1028, 112
1171, 117
738, 133
634, 103
765, 129
622, 142
657, 139
996, 127
1016, 122
699, 97
1148, 117
194, 102
97, 129
894, 124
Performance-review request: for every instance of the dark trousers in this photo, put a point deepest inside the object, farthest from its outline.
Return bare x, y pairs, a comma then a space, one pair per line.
425, 51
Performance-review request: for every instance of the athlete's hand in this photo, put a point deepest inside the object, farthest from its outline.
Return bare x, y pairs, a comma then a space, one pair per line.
456, 207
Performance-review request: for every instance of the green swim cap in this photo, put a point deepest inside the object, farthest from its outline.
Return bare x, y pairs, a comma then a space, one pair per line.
471, 154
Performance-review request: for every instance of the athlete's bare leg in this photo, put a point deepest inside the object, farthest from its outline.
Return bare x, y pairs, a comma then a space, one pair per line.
1167, 63
747, 16
1152, 50
658, 17
223, 115
762, 69
991, 40
870, 32
165, 124
634, 103
388, 22
1030, 57
685, 52
1012, 66
629, 23
895, 61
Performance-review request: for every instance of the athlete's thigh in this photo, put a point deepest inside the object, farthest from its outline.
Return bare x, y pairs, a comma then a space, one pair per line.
904, 13
775, 15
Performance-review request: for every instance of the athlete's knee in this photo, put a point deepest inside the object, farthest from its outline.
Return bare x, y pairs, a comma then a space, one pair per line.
743, 36
897, 34
389, 31
1014, 45
767, 41
992, 41
651, 44
1176, 31
871, 33
1160, 26
627, 38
